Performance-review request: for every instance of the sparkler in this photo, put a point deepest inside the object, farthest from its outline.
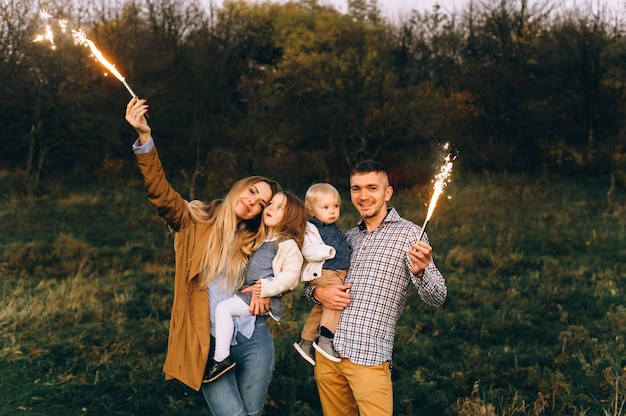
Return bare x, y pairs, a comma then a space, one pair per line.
47, 34
81, 39
441, 180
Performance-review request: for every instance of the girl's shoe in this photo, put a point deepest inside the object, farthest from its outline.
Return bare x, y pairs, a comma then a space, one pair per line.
216, 369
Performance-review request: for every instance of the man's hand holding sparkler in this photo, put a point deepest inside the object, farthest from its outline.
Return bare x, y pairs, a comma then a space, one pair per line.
420, 254
136, 111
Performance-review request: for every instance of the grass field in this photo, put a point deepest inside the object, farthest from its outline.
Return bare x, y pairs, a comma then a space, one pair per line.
534, 324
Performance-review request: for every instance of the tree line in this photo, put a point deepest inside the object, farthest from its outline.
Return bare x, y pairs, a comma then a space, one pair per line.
301, 91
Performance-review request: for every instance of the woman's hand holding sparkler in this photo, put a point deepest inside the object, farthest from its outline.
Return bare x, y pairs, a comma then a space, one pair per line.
420, 254
136, 112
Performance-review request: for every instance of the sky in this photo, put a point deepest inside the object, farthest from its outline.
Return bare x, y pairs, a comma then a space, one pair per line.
393, 8
390, 8
399, 8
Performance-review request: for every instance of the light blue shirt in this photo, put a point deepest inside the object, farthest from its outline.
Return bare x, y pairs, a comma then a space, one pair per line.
217, 293
143, 148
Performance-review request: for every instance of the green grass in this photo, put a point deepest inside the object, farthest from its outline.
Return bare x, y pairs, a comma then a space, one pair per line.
534, 323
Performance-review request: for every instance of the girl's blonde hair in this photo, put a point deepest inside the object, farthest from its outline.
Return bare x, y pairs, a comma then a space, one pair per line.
315, 191
293, 224
231, 241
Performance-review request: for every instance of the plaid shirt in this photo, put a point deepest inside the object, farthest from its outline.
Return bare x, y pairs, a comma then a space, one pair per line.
380, 277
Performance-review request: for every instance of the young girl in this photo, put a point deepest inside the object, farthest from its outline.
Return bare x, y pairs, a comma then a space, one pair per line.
274, 268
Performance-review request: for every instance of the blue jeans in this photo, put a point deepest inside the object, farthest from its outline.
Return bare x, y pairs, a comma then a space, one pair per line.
242, 391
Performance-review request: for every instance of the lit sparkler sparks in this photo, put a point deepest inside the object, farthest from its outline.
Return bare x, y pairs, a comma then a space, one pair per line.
441, 180
81, 39
47, 34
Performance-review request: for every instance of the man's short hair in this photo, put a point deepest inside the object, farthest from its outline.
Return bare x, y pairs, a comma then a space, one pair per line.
368, 166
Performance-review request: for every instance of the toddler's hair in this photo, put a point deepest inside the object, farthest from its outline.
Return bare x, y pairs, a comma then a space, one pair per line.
293, 224
316, 190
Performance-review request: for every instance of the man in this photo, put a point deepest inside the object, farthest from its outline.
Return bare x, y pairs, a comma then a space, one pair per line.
386, 260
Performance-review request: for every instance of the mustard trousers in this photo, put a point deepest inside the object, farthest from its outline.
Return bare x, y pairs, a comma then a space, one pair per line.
348, 389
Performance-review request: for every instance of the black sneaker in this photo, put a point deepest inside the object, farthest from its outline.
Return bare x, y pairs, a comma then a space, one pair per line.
216, 369
325, 347
305, 348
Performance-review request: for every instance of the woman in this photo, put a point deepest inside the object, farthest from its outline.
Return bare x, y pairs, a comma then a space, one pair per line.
213, 242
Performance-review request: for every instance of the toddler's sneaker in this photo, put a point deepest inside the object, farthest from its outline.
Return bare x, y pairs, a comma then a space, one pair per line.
305, 348
216, 369
325, 347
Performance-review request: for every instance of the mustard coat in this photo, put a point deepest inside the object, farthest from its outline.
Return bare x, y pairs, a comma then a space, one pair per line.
189, 336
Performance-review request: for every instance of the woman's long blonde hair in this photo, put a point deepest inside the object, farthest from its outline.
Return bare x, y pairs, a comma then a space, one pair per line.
231, 241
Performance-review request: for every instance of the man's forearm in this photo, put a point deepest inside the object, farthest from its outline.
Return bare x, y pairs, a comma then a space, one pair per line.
308, 293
